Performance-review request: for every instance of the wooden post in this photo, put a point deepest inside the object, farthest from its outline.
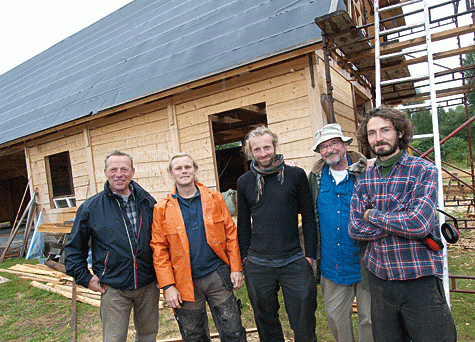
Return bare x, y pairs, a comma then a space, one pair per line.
92, 186
329, 93
73, 313
172, 123
29, 221
314, 93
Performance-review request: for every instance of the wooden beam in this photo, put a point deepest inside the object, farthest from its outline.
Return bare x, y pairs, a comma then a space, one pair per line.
29, 169
422, 59
326, 106
314, 94
213, 152
54, 228
173, 126
396, 47
91, 172
439, 94
455, 70
67, 294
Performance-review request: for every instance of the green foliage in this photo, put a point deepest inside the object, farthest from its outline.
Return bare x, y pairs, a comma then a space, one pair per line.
226, 146
455, 150
467, 60
422, 121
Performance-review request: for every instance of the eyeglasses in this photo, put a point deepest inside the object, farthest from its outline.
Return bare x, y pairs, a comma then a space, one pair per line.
332, 144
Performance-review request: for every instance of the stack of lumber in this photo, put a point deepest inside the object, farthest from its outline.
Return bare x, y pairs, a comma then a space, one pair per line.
48, 279
56, 228
45, 278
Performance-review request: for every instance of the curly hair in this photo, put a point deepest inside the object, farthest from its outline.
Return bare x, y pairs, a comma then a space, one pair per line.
257, 132
399, 120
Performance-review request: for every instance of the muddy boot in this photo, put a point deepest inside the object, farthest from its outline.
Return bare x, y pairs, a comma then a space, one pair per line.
193, 325
227, 318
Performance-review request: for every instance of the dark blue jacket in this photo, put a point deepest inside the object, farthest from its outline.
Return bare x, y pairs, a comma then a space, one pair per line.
114, 261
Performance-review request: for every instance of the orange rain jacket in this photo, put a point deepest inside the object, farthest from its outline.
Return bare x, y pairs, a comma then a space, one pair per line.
171, 252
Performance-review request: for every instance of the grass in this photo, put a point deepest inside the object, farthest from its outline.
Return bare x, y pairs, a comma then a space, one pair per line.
463, 304
30, 314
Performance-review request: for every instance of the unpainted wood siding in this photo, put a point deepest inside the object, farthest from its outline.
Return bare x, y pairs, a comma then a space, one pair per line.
293, 112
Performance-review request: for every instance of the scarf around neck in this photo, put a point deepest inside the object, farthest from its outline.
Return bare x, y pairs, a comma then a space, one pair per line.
277, 166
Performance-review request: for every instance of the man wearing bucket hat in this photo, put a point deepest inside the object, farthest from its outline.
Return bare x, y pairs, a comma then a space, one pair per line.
343, 275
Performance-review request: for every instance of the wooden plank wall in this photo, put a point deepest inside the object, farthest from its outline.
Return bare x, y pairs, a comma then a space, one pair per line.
145, 138
152, 132
282, 87
37, 153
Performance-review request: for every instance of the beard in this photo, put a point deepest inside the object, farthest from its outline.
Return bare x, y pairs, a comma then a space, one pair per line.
384, 153
265, 162
333, 159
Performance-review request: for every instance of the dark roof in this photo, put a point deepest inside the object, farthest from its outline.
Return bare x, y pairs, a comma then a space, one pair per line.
146, 47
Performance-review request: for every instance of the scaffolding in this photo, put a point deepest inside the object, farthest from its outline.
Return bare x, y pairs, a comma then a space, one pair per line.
385, 45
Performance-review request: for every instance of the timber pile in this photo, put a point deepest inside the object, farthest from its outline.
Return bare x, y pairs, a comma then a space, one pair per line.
45, 278
48, 279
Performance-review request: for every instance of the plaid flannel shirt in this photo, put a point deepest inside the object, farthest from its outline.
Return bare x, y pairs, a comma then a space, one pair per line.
404, 211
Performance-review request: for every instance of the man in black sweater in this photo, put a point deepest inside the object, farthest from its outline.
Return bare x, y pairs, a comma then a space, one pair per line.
270, 197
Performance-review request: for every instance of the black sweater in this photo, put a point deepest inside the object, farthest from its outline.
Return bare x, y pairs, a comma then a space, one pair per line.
274, 232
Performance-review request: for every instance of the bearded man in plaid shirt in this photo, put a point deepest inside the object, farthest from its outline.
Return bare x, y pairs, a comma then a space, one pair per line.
393, 207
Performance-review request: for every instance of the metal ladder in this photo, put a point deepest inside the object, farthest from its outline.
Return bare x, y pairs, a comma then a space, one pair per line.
430, 76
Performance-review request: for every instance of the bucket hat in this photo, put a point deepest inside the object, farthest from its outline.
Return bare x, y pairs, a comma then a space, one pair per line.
329, 132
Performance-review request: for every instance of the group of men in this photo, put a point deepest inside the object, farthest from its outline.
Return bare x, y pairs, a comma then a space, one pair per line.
362, 227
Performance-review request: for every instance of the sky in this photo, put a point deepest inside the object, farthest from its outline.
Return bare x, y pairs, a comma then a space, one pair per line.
28, 27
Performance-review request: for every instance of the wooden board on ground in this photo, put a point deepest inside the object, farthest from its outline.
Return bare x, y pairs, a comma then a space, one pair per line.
48, 279
56, 228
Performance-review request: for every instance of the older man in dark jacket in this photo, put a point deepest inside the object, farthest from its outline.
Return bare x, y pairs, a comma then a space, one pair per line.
117, 221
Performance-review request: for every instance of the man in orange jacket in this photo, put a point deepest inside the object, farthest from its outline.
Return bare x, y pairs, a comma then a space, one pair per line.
196, 255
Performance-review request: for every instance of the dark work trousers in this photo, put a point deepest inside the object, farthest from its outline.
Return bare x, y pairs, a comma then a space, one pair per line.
410, 310
192, 318
299, 289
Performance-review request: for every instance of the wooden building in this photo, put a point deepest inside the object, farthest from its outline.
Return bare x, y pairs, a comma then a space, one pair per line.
158, 77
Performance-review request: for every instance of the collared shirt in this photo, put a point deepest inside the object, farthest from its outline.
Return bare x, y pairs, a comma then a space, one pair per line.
340, 260
386, 165
404, 211
203, 259
128, 205
131, 210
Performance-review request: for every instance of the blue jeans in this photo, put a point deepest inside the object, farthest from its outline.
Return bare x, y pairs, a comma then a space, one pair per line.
300, 297
410, 310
